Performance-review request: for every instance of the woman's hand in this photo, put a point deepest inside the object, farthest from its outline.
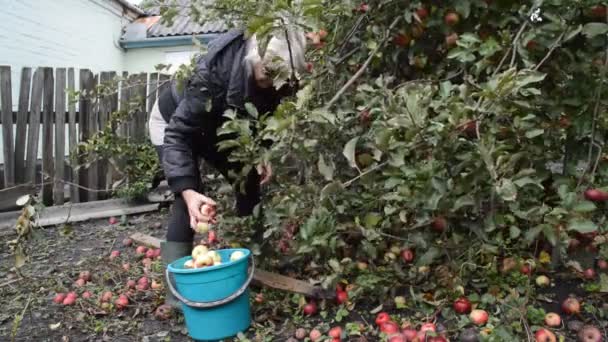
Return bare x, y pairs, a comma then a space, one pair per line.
195, 201
265, 172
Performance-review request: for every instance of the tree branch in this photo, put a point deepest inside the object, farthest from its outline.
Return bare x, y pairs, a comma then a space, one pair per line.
364, 66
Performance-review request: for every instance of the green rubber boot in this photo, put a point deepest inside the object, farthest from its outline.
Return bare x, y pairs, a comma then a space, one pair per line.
171, 251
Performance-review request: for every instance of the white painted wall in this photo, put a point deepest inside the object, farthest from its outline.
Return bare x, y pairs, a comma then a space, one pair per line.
146, 59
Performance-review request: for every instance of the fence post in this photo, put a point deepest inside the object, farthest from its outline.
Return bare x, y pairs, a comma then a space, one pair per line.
73, 138
21, 129
6, 97
34, 127
48, 172
58, 191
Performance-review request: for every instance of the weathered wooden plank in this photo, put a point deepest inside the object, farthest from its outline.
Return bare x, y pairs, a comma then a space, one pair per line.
93, 123
48, 171
260, 277
104, 120
58, 189
6, 99
123, 104
8, 197
34, 126
140, 116
77, 212
112, 108
86, 81
21, 127
73, 138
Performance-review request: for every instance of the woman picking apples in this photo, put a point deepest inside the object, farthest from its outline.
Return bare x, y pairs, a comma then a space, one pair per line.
183, 125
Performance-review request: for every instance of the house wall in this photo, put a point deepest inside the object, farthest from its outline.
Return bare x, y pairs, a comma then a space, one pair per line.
61, 33
146, 59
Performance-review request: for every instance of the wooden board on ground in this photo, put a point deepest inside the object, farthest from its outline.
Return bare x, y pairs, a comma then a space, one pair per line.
260, 277
8, 197
77, 212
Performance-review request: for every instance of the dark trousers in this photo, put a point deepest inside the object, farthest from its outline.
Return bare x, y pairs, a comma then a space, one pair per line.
246, 198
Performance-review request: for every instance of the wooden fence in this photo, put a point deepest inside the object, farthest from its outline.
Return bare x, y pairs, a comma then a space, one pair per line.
42, 104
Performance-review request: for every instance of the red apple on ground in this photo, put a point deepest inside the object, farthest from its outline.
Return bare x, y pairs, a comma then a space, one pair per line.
451, 19
127, 242
389, 328
72, 294
79, 283
525, 269
462, 305
439, 224
85, 275
602, 264
155, 285
315, 335
397, 338
553, 320
407, 255
59, 297
428, 327
437, 339
106, 297
141, 250
571, 306
69, 300
310, 308
87, 295
114, 255
544, 335
126, 266
479, 317
113, 220
335, 333
341, 297
150, 254
121, 302
596, 195
382, 318
589, 333
409, 334
589, 274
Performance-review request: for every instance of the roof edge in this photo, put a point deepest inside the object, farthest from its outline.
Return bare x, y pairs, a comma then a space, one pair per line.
130, 6
167, 41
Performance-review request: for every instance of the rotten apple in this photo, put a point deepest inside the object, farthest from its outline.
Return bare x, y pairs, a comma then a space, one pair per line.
589, 333
571, 306
544, 335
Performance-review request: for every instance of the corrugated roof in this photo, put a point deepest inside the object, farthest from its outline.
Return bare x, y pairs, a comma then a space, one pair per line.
182, 24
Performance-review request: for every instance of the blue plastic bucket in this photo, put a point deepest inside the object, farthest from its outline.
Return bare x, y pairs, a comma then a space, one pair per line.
215, 299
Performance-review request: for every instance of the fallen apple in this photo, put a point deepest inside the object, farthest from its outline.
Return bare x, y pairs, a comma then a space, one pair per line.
85, 275
335, 333
382, 318
589, 333
141, 250
341, 297
79, 283
113, 220
602, 264
127, 242
544, 335
479, 317
428, 327
114, 255
310, 308
553, 320
596, 195
439, 338
543, 281
131, 284
126, 266
462, 305
589, 274
397, 338
389, 328
300, 333
122, 302
59, 297
106, 297
409, 334
315, 335
407, 255
69, 300
87, 295
571, 306
156, 285
399, 301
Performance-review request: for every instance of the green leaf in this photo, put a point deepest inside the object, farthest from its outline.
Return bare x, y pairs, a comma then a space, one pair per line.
584, 207
506, 190
534, 133
595, 29
428, 257
604, 283
326, 170
251, 110
371, 220
514, 232
582, 226
532, 234
349, 151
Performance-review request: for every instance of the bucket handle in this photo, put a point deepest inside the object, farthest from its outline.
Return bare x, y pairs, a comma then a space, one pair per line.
215, 303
